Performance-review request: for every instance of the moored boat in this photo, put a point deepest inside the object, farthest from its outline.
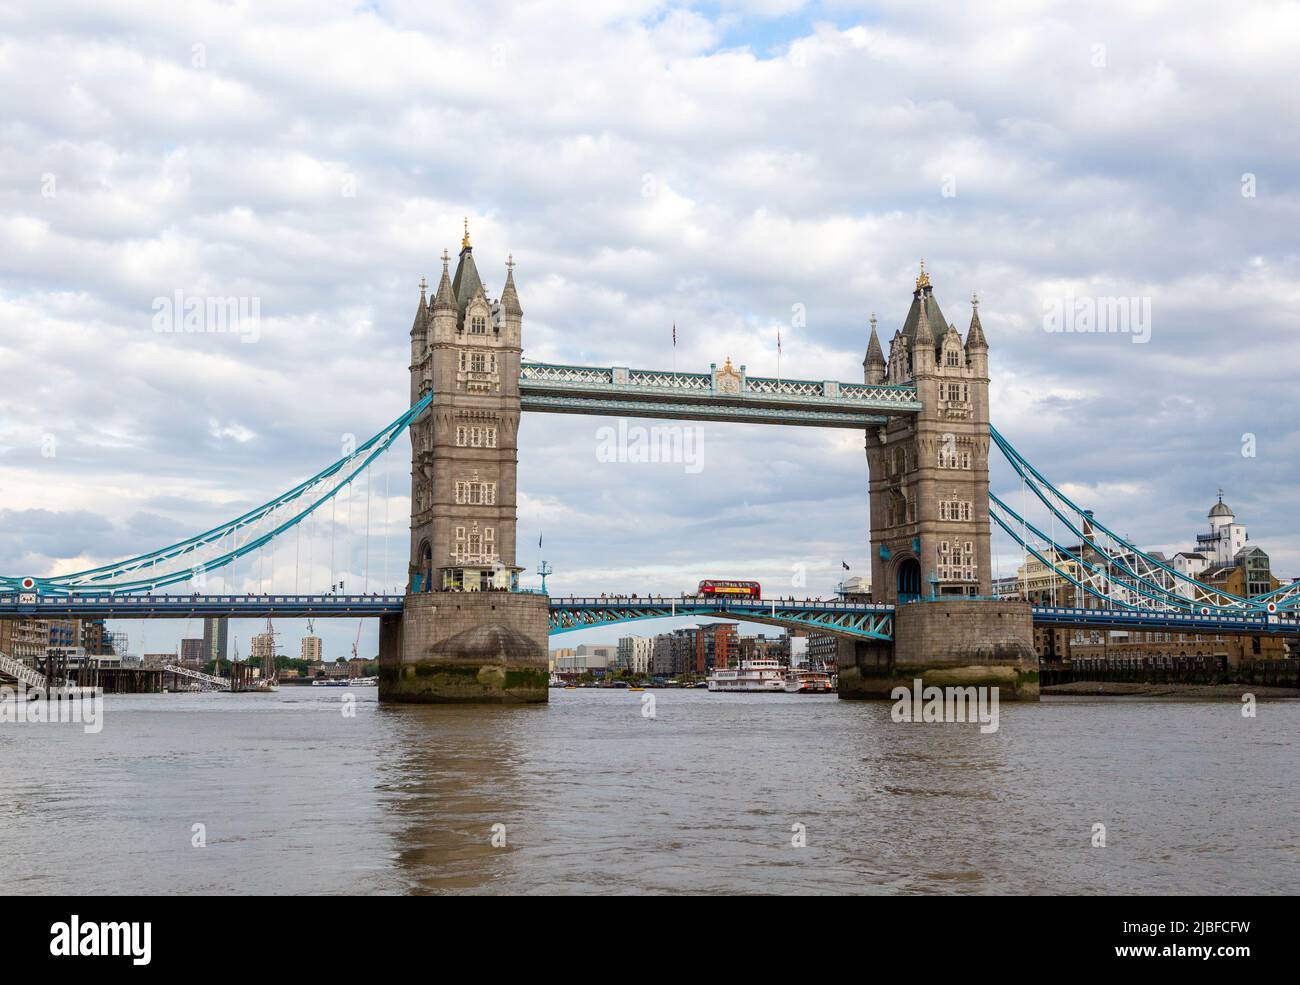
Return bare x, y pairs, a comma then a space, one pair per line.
808, 682
762, 675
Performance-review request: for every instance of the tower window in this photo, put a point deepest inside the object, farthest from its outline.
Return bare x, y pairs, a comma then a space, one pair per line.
476, 493
954, 510
473, 436
478, 325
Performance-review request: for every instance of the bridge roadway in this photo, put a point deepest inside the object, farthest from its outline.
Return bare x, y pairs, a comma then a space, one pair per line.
725, 394
838, 617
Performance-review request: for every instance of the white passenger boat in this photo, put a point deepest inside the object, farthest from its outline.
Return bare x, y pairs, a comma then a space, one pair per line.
762, 675
808, 682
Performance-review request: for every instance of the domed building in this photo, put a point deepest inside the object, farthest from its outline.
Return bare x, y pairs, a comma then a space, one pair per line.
1226, 536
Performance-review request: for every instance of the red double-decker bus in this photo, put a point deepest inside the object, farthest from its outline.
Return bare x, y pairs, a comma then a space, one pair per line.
746, 589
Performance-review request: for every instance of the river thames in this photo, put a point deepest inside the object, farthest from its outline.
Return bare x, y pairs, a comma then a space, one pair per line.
708, 796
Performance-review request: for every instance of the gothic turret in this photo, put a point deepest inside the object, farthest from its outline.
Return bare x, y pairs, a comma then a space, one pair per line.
442, 313
509, 296
923, 341
977, 349
420, 326
874, 364
443, 298
975, 336
419, 339
466, 285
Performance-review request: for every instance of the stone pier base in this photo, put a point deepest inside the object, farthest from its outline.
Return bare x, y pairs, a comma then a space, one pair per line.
947, 643
468, 647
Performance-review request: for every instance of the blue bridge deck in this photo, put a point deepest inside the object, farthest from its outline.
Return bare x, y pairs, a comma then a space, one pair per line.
863, 620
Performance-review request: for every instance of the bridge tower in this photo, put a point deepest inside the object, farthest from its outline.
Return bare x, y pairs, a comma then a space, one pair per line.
930, 472
466, 633
930, 544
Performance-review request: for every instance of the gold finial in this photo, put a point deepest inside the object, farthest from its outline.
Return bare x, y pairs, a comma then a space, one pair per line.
727, 368
924, 279
464, 240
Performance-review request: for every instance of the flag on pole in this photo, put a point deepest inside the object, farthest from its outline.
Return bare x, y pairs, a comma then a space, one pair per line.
846, 565
674, 335
778, 341
539, 541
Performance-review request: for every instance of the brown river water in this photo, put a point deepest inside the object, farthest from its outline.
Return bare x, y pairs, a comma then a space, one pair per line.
708, 796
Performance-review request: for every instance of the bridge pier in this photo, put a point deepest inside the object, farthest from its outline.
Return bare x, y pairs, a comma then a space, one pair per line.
467, 647
947, 643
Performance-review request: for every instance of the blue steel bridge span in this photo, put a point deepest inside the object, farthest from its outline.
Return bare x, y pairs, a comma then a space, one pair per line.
835, 617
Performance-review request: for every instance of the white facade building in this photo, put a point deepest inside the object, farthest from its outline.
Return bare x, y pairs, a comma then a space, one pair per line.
1226, 536
597, 658
636, 653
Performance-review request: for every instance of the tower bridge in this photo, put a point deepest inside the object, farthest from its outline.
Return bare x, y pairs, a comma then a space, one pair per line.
841, 617
463, 629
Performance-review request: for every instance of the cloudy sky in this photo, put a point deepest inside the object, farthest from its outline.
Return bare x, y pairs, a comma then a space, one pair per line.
721, 166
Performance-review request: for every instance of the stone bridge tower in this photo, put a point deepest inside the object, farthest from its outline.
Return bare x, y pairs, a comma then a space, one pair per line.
464, 452
466, 633
930, 473
930, 544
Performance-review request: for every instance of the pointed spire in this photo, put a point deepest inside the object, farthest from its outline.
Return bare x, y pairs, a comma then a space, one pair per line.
418, 326
975, 337
923, 334
509, 296
466, 285
875, 355
444, 300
